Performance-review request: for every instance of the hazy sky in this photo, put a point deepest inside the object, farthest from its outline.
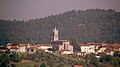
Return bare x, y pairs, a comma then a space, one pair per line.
31, 9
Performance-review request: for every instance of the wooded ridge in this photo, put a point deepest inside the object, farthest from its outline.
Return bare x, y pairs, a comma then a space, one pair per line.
78, 26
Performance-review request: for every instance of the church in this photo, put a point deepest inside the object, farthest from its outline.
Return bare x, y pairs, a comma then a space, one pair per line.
62, 46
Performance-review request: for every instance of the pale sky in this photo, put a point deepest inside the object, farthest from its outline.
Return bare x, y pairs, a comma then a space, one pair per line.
32, 9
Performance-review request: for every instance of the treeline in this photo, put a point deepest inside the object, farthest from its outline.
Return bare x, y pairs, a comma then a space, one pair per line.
78, 26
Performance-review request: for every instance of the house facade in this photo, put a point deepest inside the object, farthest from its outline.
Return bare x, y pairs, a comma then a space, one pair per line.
22, 48
62, 46
43, 46
88, 48
99, 48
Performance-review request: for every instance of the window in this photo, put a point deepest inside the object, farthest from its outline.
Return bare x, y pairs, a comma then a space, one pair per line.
31, 50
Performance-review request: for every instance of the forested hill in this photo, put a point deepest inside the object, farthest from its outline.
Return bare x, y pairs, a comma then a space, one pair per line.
81, 26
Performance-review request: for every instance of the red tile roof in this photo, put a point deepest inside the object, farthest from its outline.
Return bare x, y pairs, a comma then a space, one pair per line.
22, 45
9, 44
43, 45
13, 47
111, 49
1, 47
84, 44
116, 46
102, 44
78, 66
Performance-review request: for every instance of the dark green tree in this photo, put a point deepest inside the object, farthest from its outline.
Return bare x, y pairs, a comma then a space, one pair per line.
105, 58
109, 60
15, 57
116, 53
83, 26
13, 65
90, 58
43, 65
4, 60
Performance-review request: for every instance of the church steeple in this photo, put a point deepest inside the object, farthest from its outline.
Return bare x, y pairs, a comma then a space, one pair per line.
55, 37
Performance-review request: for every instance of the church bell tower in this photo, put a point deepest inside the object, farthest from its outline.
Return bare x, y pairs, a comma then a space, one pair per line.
55, 37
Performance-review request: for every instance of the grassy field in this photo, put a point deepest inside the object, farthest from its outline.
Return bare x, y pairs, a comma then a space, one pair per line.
26, 64
54, 60
33, 64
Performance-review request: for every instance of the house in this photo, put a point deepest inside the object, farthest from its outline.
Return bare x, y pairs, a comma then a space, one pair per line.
80, 54
68, 52
43, 46
3, 49
116, 47
22, 48
17, 48
12, 48
31, 48
97, 48
87, 48
108, 49
78, 65
103, 47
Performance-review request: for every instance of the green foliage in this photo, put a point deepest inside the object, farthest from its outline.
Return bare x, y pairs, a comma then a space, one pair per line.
91, 25
4, 60
15, 43
27, 64
116, 53
90, 58
43, 65
105, 58
36, 65
51, 59
13, 65
75, 43
15, 57
109, 59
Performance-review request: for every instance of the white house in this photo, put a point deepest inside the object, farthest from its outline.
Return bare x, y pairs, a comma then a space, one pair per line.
87, 48
44, 46
22, 48
66, 52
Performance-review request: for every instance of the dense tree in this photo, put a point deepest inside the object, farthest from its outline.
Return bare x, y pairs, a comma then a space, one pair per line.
116, 53
43, 65
15, 57
107, 59
90, 58
91, 25
4, 60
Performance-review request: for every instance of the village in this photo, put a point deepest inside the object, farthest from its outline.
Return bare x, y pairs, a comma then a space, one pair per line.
63, 47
